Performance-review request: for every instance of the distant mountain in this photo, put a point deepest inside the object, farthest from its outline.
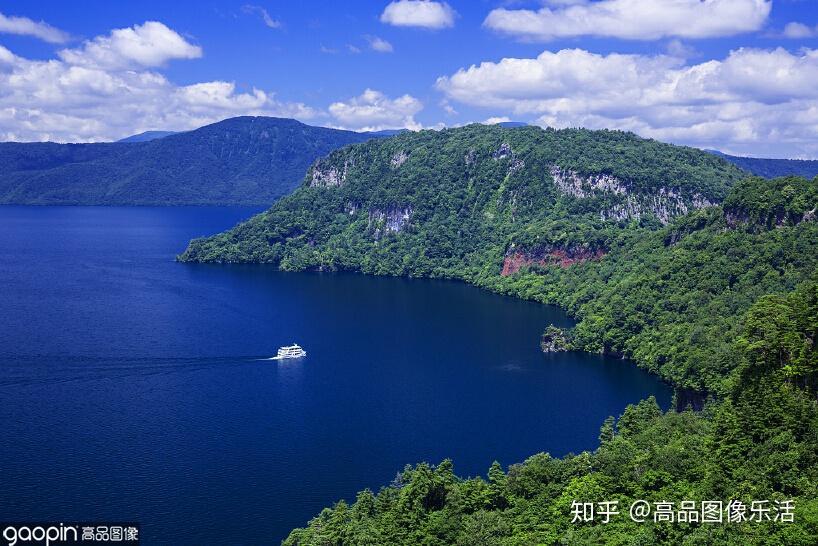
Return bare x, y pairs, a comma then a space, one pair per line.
773, 168
386, 132
512, 124
147, 135
244, 160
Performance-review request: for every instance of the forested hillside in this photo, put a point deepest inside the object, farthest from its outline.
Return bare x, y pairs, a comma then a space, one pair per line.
667, 255
432, 203
245, 160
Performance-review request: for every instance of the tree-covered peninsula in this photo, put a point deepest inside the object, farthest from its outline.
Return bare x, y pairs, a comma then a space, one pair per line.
667, 255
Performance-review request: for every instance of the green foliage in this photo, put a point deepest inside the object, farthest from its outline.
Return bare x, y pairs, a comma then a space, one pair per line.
245, 160
671, 299
759, 443
772, 203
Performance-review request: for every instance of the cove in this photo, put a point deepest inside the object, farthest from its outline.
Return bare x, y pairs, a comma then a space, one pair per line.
132, 387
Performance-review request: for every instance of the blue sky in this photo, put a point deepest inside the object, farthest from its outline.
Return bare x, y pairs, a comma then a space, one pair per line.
728, 74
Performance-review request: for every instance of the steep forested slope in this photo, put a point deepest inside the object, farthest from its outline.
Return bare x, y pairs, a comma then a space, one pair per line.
430, 203
246, 160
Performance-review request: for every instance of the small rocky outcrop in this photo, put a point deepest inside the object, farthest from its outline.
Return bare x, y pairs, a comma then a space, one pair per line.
326, 175
389, 220
398, 159
555, 340
503, 151
516, 164
573, 184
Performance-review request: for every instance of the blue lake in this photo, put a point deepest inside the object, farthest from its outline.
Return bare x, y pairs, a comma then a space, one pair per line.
131, 386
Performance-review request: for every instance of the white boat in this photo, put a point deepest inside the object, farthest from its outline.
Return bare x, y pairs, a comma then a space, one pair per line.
290, 351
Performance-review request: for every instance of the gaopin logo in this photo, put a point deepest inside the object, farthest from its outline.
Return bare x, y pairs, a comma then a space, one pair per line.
52, 533
38, 534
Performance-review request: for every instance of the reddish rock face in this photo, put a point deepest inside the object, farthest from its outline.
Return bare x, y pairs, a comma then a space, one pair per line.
559, 256
513, 262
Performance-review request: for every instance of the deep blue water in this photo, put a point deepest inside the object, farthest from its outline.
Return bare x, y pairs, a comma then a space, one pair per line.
130, 385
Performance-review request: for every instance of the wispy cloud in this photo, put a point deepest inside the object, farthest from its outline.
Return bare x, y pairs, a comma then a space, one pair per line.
262, 13
27, 27
379, 44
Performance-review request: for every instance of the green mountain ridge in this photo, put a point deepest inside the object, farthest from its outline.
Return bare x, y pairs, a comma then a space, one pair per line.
238, 161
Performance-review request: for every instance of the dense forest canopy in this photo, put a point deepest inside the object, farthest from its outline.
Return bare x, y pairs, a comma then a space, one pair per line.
667, 255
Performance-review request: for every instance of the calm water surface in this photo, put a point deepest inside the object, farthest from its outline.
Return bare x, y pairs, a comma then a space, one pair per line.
131, 386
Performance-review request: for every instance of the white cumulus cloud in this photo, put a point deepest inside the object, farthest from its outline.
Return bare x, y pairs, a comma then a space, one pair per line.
26, 27
753, 101
632, 19
374, 111
418, 13
108, 88
148, 45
